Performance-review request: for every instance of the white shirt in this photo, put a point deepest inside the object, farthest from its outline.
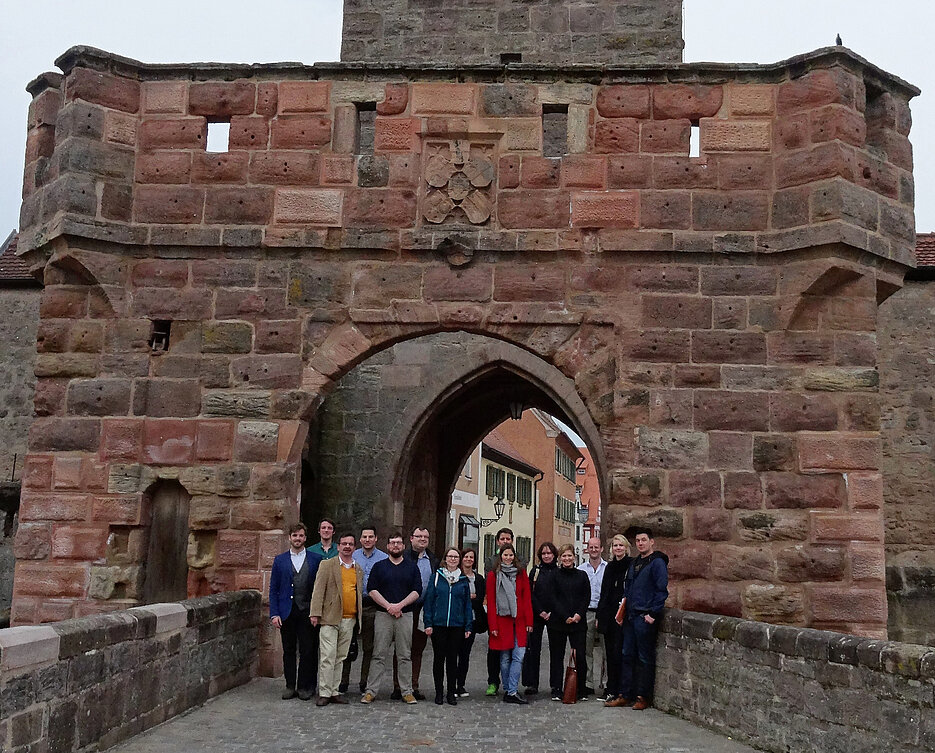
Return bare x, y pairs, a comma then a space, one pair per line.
596, 577
297, 559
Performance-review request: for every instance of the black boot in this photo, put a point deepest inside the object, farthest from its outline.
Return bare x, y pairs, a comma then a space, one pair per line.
439, 697
452, 700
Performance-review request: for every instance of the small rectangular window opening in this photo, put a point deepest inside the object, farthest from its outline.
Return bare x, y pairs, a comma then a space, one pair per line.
694, 143
219, 134
366, 126
510, 57
875, 115
159, 335
554, 130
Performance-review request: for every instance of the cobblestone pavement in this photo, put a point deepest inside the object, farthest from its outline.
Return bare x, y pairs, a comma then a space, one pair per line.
252, 718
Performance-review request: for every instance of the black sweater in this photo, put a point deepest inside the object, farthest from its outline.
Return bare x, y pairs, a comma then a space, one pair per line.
567, 593
539, 578
612, 591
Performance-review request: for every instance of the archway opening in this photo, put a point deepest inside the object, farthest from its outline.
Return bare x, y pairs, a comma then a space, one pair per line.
391, 441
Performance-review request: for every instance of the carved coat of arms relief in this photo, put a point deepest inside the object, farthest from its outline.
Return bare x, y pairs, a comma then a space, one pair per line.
458, 182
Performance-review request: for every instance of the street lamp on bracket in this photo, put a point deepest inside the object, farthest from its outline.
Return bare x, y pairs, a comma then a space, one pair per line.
498, 507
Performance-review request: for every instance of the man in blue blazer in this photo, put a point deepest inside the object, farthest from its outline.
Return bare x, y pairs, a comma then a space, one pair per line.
290, 594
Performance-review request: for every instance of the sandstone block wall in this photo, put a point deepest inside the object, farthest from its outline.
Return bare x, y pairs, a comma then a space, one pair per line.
907, 373
789, 689
19, 319
716, 315
89, 683
464, 32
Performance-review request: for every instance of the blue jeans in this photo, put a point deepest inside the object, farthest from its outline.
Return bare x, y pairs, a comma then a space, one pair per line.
638, 665
511, 666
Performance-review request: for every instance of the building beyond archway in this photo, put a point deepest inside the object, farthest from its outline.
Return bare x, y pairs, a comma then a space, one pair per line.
716, 315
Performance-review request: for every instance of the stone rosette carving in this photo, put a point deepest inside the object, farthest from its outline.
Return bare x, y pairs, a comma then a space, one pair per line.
458, 183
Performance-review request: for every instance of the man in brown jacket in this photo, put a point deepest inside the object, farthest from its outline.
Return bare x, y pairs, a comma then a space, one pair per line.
336, 606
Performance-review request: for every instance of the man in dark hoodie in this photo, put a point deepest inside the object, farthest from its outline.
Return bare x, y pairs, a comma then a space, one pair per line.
647, 584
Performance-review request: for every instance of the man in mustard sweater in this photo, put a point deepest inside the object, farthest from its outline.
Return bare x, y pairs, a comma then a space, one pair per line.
336, 606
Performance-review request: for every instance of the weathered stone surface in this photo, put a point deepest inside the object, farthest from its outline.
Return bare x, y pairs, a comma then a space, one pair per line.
536, 32
245, 404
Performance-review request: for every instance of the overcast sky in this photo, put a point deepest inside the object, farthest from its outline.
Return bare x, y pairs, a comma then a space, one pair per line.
893, 35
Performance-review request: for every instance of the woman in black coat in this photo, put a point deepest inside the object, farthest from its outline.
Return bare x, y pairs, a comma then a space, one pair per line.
565, 600
478, 590
538, 580
612, 592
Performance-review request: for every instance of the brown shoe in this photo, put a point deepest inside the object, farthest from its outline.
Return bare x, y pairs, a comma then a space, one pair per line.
338, 699
617, 702
322, 701
641, 704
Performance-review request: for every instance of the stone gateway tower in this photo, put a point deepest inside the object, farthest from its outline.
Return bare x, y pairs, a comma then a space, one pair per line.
487, 205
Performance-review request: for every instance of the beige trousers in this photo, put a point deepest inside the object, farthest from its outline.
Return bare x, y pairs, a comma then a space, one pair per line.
333, 642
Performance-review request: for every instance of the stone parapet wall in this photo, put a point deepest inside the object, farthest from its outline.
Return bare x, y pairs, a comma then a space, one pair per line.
534, 31
790, 689
804, 153
87, 684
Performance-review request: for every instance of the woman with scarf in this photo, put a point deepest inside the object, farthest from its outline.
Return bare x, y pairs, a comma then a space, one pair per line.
538, 579
565, 603
478, 591
509, 618
612, 593
449, 620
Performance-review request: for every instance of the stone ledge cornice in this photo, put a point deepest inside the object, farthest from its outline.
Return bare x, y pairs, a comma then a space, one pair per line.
687, 243
826, 57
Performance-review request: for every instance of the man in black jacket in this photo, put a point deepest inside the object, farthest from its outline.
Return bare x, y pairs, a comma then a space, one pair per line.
646, 588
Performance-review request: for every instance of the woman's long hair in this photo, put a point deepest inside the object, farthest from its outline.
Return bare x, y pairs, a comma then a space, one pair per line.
551, 547
464, 554
496, 567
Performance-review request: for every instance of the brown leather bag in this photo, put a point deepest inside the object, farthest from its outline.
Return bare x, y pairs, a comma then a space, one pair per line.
571, 680
621, 611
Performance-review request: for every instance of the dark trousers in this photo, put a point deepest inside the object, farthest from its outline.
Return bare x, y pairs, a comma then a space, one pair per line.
493, 667
419, 641
613, 643
365, 639
297, 632
464, 661
638, 667
446, 643
578, 641
533, 654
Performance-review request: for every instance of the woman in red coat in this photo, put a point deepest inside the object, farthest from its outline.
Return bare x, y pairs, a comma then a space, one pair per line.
509, 616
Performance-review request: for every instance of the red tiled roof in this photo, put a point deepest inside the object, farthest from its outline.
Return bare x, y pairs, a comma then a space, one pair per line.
925, 249
499, 444
12, 267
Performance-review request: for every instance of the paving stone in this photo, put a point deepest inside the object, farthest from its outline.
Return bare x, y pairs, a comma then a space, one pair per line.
252, 718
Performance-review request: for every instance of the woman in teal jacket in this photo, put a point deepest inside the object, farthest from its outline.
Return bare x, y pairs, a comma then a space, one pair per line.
448, 621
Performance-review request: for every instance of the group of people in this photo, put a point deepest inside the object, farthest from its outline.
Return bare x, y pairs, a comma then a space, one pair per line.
331, 596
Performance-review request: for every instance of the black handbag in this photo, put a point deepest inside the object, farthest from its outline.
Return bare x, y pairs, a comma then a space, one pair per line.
480, 620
